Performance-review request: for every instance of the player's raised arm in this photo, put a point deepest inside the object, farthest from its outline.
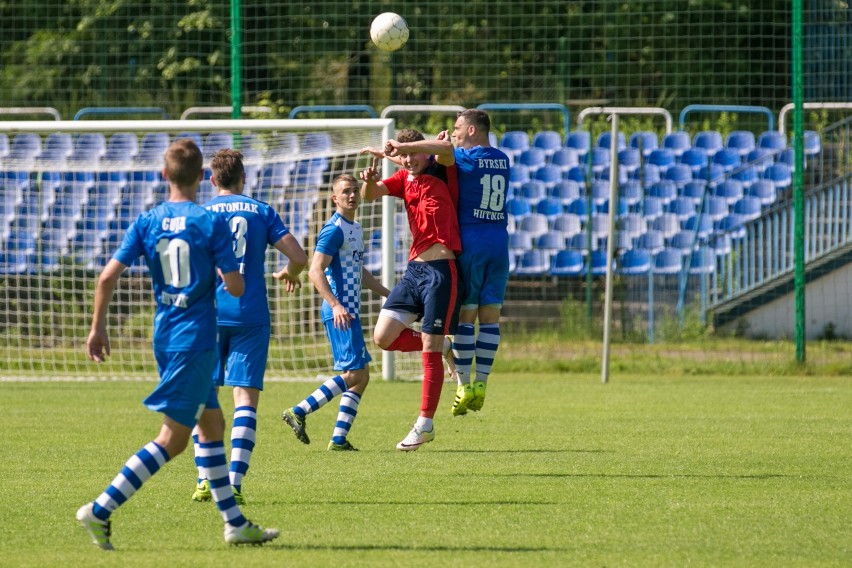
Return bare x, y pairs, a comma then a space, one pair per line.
441, 148
372, 188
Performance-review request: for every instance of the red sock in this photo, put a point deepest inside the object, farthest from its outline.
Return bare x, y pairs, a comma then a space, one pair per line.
408, 341
433, 381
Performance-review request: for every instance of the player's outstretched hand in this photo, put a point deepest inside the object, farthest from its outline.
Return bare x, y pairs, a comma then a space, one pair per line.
291, 283
97, 346
372, 172
443, 135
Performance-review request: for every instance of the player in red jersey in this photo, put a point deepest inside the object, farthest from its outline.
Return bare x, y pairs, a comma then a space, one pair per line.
430, 289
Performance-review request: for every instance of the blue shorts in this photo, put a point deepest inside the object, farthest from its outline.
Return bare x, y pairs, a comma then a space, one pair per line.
186, 387
347, 346
242, 356
484, 266
432, 291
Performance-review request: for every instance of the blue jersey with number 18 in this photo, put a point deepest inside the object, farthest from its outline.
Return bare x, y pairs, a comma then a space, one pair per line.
483, 180
182, 245
254, 225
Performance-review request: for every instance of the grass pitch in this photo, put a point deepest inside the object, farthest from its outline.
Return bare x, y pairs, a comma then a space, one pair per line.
556, 470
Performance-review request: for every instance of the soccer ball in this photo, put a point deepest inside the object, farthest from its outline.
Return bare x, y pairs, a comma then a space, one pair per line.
389, 31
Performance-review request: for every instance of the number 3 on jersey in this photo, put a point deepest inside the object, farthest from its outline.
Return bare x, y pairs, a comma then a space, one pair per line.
239, 227
493, 192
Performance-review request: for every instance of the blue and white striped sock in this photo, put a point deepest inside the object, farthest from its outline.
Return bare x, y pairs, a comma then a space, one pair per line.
486, 348
138, 469
195, 450
345, 416
326, 391
463, 351
243, 435
214, 468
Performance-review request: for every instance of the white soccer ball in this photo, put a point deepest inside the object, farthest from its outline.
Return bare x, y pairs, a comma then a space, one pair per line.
389, 31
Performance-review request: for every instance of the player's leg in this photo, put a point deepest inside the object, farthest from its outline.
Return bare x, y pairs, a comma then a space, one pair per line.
350, 357
464, 339
400, 310
202, 486
246, 364
439, 292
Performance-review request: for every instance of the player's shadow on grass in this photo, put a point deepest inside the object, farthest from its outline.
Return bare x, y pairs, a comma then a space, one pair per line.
530, 451
649, 475
403, 548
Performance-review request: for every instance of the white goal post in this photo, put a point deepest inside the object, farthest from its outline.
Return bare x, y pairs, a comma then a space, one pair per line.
68, 190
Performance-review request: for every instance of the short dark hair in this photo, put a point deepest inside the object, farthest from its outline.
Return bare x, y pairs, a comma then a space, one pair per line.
228, 169
183, 162
409, 135
476, 117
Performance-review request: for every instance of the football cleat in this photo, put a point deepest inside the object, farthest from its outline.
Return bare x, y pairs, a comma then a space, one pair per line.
249, 533
99, 530
238, 496
344, 447
478, 396
464, 397
202, 492
297, 423
415, 439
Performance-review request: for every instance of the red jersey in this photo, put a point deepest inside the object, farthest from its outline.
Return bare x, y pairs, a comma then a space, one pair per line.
431, 207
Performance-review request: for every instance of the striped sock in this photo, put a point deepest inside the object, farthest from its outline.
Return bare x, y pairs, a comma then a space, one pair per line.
195, 450
138, 469
345, 416
326, 391
214, 468
243, 436
486, 348
463, 351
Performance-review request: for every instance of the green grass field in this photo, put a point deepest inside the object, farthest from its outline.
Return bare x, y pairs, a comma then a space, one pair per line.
557, 470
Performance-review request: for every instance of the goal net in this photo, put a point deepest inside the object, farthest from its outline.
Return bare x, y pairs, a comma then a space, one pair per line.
70, 189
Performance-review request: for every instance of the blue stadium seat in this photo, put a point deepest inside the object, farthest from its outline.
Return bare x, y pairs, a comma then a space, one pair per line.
728, 158
579, 207
632, 225
548, 140
580, 242
622, 175
550, 242
742, 141
710, 140
668, 261
576, 174
629, 159
316, 143
26, 147
683, 207
683, 240
694, 190
635, 262
548, 175
4, 145
514, 142
604, 138
600, 226
549, 207
533, 159
519, 174
89, 146
663, 158
647, 175
206, 192
152, 147
651, 241
599, 193
667, 223
309, 173
283, 146
644, 141
664, 190
55, 150
534, 223
622, 207
695, 158
194, 136
678, 142
598, 262
812, 143
122, 146
567, 262
679, 174
713, 174
780, 175
748, 207
652, 207
732, 224
532, 191
600, 159
730, 190
764, 190
702, 261
772, 140
631, 192
565, 159
277, 175
533, 262
701, 225
788, 156
760, 158
746, 175
566, 191
580, 141
216, 141
715, 207
721, 243
520, 241
568, 224
518, 208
